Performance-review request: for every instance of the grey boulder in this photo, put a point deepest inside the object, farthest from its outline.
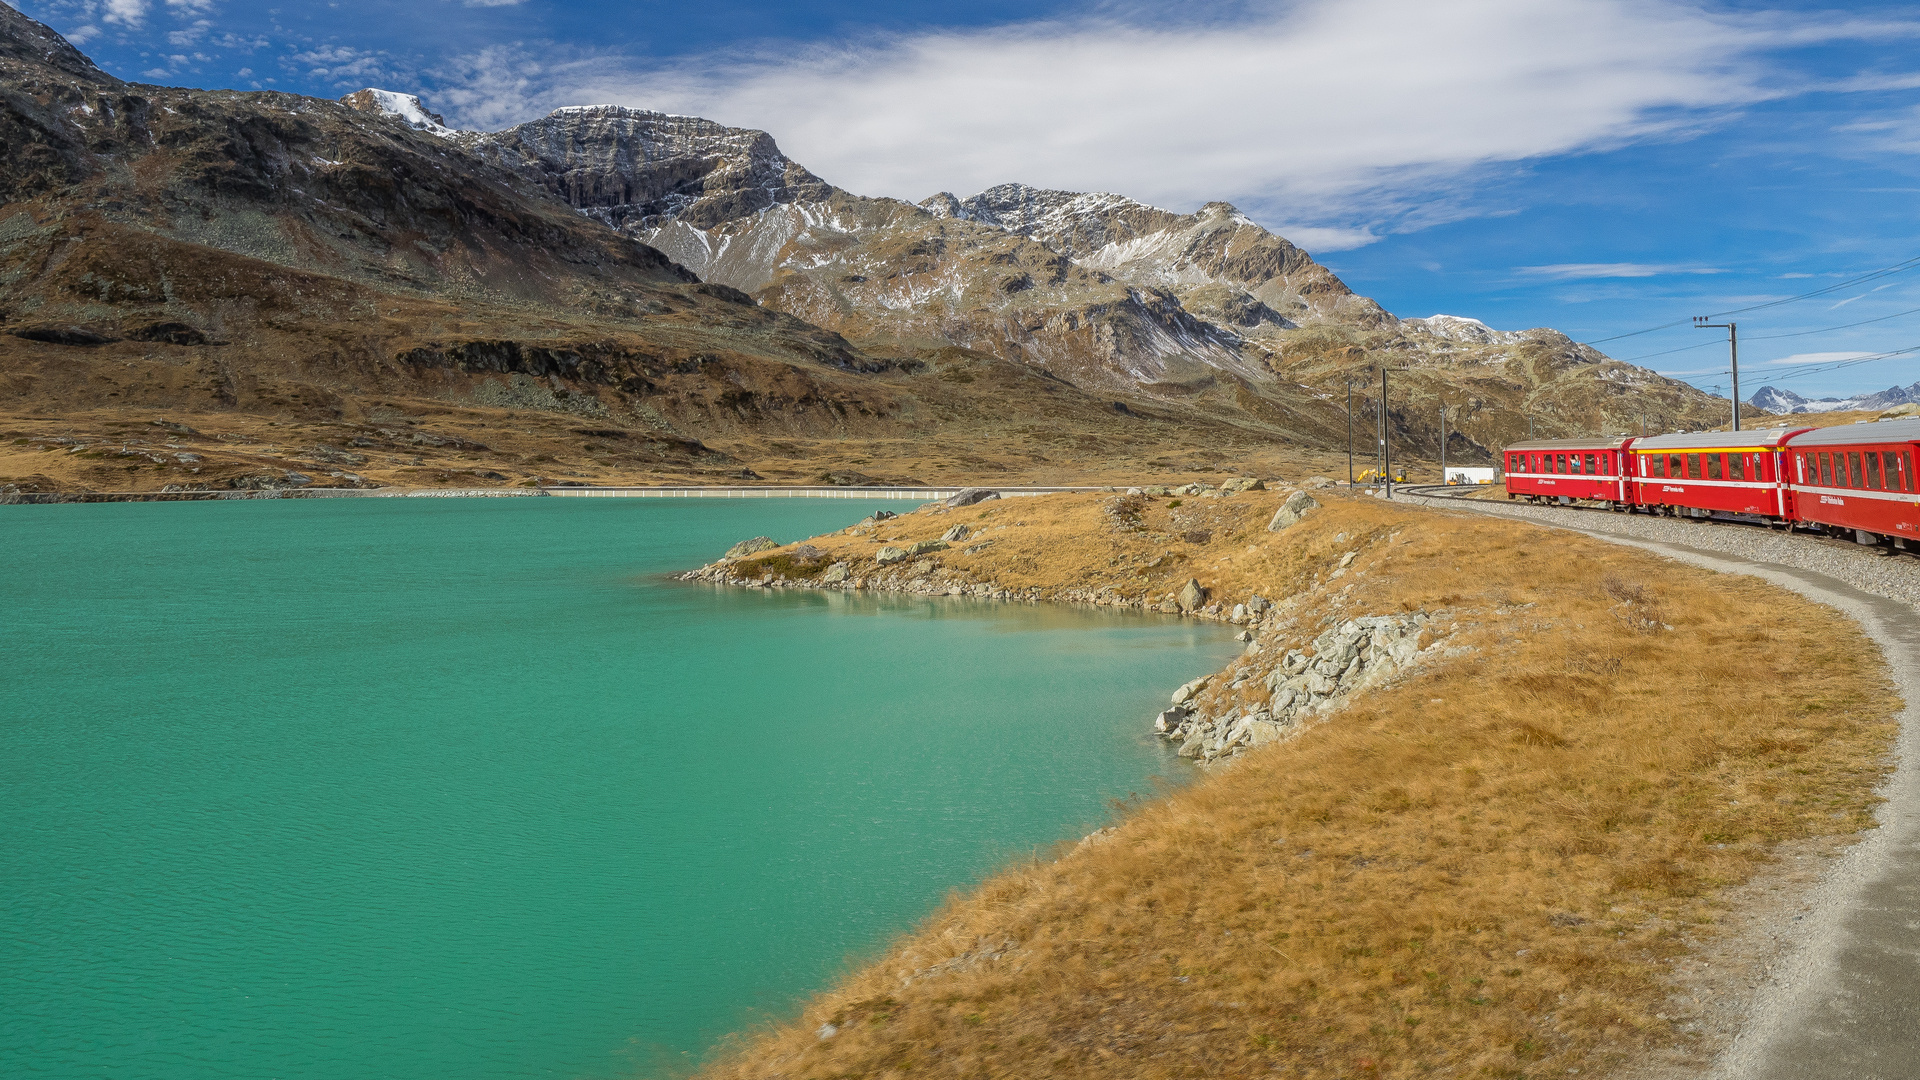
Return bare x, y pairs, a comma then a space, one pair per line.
969, 496
1292, 511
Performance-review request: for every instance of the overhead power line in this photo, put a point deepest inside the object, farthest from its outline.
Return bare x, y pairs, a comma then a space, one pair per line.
1830, 329
1885, 271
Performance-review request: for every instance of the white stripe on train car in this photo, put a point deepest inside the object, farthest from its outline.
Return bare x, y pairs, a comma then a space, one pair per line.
1751, 485
1838, 496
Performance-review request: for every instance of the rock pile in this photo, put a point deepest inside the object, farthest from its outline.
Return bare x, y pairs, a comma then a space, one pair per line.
1268, 702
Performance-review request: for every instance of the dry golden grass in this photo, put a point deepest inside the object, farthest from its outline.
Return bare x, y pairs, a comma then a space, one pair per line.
1481, 870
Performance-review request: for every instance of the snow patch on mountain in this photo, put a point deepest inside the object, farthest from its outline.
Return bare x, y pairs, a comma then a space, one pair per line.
407, 108
1462, 329
1775, 400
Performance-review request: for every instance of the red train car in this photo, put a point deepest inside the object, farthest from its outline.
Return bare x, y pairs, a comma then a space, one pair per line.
1858, 477
1567, 469
1698, 474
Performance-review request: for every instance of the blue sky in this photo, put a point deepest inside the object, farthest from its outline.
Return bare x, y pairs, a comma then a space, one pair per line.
1598, 166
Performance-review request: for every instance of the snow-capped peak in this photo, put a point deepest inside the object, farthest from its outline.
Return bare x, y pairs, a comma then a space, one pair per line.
1461, 328
407, 108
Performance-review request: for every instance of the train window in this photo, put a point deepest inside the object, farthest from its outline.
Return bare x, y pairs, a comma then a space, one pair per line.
1854, 479
1892, 462
1593, 466
1693, 466
1573, 464
1657, 465
1906, 470
1736, 466
1676, 466
1560, 463
1826, 469
1713, 466
1872, 458
1809, 468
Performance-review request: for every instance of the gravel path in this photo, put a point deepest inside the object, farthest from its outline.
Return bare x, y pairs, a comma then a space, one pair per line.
1896, 577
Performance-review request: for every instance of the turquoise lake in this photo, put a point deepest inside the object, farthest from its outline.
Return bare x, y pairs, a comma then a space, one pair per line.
431, 788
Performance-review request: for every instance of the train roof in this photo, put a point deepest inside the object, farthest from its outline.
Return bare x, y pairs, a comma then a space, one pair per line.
1718, 440
1605, 442
1906, 429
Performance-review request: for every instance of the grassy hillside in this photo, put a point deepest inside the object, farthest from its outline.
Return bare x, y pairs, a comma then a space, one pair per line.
1486, 866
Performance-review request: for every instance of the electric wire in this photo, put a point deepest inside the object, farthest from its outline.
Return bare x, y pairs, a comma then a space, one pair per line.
1885, 271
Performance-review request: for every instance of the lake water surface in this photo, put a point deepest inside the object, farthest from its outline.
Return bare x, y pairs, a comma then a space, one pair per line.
429, 788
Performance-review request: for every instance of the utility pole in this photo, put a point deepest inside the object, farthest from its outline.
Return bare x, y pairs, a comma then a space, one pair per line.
1443, 442
1349, 433
1733, 354
1386, 447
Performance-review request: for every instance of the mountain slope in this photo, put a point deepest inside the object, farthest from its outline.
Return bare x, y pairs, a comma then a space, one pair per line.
398, 308
1775, 400
1097, 289
356, 270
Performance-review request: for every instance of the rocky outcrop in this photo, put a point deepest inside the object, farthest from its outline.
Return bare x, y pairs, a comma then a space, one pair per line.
638, 170
751, 547
1295, 686
970, 496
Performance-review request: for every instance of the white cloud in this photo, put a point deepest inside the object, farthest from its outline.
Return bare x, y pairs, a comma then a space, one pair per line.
1353, 117
1576, 271
340, 63
82, 35
124, 12
192, 33
1325, 238
1815, 358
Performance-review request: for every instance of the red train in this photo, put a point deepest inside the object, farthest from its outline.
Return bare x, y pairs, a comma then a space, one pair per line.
1857, 478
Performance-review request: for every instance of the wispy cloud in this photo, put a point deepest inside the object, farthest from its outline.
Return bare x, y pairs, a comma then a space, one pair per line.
338, 64
129, 13
1354, 118
1578, 271
1815, 358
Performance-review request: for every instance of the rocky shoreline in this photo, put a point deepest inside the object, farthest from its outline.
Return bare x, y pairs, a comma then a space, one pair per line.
1287, 677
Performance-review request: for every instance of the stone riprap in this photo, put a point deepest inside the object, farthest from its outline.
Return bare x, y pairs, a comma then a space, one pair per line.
1294, 686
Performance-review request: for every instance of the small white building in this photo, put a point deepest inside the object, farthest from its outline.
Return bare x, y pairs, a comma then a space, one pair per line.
1469, 476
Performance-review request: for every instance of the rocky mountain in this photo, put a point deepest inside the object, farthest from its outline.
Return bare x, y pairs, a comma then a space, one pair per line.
1096, 289
607, 293
354, 278
1775, 400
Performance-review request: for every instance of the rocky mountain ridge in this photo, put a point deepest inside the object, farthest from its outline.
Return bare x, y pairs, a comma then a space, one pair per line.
238, 289
706, 305
1775, 400
1098, 289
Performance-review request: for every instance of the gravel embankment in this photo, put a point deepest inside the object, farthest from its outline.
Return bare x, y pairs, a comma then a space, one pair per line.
1894, 576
